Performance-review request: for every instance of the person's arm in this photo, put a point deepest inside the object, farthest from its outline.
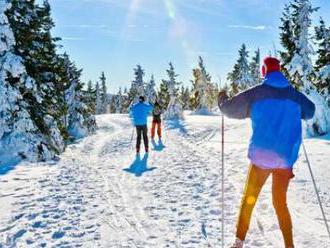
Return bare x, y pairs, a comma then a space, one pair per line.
151, 107
307, 107
130, 111
237, 107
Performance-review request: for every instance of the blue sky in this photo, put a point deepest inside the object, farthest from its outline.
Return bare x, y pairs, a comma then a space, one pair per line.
115, 35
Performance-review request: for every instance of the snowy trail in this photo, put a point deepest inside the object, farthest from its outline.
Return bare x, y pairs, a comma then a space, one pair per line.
100, 195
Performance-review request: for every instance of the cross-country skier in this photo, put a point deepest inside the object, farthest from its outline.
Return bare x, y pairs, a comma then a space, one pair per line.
276, 110
156, 121
139, 113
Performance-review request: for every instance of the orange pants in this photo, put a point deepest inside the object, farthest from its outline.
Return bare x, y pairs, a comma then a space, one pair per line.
158, 125
254, 183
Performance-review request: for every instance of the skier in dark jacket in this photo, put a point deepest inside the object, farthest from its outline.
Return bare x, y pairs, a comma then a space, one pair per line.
156, 121
139, 113
275, 109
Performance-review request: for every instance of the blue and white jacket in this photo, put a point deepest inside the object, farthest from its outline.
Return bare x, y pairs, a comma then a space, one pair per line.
139, 113
276, 110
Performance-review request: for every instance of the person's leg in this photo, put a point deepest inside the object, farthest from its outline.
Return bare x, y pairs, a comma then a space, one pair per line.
145, 138
255, 180
159, 130
138, 138
281, 179
153, 129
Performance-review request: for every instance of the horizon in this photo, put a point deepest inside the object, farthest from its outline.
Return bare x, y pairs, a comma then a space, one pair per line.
114, 37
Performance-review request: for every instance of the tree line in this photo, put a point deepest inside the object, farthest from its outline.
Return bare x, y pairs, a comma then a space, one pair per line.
308, 71
42, 98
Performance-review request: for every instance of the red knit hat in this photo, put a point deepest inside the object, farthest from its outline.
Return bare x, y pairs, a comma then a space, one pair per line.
271, 64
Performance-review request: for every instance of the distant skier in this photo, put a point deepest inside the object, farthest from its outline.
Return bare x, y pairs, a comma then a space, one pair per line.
276, 110
156, 121
139, 113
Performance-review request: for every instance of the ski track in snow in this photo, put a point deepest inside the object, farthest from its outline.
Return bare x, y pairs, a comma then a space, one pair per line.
87, 199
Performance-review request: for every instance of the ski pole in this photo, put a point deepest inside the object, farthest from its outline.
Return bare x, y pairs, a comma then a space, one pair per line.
223, 179
316, 190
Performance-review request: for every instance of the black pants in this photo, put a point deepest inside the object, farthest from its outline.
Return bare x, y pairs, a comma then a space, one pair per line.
142, 130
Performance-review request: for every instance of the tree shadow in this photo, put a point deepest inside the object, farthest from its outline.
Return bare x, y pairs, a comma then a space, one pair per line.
8, 164
157, 146
139, 166
177, 124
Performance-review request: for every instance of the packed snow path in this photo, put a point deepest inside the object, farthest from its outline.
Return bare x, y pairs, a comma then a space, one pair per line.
100, 195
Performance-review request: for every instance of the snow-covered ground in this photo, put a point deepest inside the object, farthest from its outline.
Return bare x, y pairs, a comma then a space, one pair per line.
100, 195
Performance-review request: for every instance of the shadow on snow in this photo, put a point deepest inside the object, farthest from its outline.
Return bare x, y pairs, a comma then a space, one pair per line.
157, 147
8, 163
177, 124
139, 166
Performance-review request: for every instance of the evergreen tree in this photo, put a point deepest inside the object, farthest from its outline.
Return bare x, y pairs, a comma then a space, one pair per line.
125, 101
185, 97
150, 91
287, 37
163, 95
202, 92
20, 137
104, 94
240, 77
138, 86
301, 68
112, 104
203, 69
193, 99
213, 95
211, 88
32, 26
119, 102
323, 59
255, 68
90, 97
98, 104
44, 96
174, 108
301, 64
80, 122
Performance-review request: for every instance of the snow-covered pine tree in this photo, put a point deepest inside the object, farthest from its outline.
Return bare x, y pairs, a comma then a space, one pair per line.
323, 60
301, 69
125, 101
201, 92
32, 24
255, 68
98, 104
112, 104
138, 86
203, 69
287, 38
163, 95
90, 97
20, 138
174, 108
151, 94
185, 97
104, 94
119, 102
193, 99
214, 92
211, 89
240, 77
79, 121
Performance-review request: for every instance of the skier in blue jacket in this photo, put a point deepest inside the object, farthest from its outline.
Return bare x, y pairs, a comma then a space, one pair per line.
139, 113
275, 109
